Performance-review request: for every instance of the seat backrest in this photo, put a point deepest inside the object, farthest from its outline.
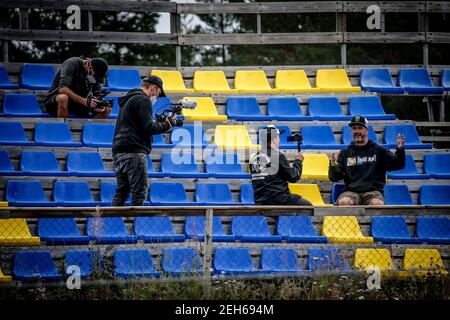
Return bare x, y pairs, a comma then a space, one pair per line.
243, 106
347, 136
231, 136
436, 163
389, 227
37, 262
408, 130
247, 194
81, 161
291, 79
410, 166
365, 106
39, 161
213, 192
397, 195
12, 132
14, 228
324, 106
341, 226
315, 164
205, 107
48, 227
72, 191
251, 79
188, 135
369, 258
94, 133
249, 225
233, 258
434, 194
422, 259
40, 75
105, 226
171, 162
88, 261
414, 77
332, 78
284, 107
318, 135
375, 77
210, 80
221, 162
25, 190
445, 78
308, 191
4, 79
123, 78
5, 162
135, 260
52, 132
195, 226
295, 226
153, 225
325, 259
336, 191
21, 103
172, 79
279, 259
182, 260
433, 227
167, 192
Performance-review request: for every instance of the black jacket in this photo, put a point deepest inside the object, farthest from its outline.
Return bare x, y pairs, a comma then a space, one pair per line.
135, 126
270, 179
363, 168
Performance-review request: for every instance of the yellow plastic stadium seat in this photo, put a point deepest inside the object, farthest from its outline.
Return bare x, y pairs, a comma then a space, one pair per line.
4, 278
374, 258
252, 81
315, 166
15, 232
172, 81
293, 81
423, 262
3, 204
343, 229
204, 111
233, 137
334, 80
310, 192
211, 81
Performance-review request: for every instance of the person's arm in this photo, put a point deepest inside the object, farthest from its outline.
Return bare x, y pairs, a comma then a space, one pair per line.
288, 173
150, 126
396, 161
336, 168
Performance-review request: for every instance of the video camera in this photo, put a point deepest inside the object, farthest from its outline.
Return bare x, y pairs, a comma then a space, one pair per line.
99, 95
176, 109
296, 137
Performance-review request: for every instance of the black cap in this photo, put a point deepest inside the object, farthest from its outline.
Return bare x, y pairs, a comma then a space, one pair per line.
360, 121
272, 132
100, 67
155, 81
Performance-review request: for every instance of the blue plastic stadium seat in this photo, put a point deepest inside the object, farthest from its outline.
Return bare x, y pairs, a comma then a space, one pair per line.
54, 134
336, 191
35, 266
409, 172
87, 164
445, 79
189, 136
282, 260
89, 261
174, 165
73, 194
115, 107
22, 105
134, 263
60, 231
434, 195
5, 82
181, 261
13, 134
417, 81
246, 109
6, 167
224, 165
151, 169
284, 144
233, 261
108, 231
369, 107
252, 229
412, 140
194, 228
213, 194
326, 108
247, 195
37, 76
107, 192
123, 79
319, 137
298, 229
347, 136
433, 230
98, 135
326, 259
156, 229
378, 80
390, 230
286, 109
437, 165
40, 163
159, 142
26, 193
397, 194
168, 194
160, 105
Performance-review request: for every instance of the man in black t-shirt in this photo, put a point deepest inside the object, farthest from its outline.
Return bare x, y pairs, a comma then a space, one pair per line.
72, 89
363, 165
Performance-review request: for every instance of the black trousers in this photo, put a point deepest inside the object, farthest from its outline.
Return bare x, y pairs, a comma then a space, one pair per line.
131, 173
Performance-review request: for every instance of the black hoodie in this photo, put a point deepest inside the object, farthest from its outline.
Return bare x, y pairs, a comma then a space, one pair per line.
363, 168
135, 126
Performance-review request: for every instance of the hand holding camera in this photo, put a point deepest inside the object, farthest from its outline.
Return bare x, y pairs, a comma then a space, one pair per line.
174, 122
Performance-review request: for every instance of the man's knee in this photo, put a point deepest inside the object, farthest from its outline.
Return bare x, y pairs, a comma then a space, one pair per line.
345, 201
375, 202
62, 99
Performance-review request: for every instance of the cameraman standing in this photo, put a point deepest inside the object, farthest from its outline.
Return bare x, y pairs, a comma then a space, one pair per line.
271, 172
73, 87
132, 140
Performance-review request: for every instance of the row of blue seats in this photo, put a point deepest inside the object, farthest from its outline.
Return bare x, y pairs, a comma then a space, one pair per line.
410, 80
97, 135
295, 229
30, 193
239, 108
175, 262
90, 164
225, 165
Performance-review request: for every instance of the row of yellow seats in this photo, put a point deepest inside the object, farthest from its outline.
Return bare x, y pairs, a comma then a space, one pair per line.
416, 262
4, 278
255, 81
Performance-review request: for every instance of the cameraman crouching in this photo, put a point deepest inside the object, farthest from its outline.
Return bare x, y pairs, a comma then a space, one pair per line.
132, 140
73, 88
271, 172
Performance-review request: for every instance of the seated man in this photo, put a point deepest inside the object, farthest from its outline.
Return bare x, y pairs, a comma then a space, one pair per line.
271, 172
363, 165
73, 88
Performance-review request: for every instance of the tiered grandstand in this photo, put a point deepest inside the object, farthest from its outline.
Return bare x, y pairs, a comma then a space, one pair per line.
57, 179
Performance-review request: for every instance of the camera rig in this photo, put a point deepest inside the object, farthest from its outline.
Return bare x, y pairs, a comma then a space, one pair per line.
296, 137
100, 95
176, 108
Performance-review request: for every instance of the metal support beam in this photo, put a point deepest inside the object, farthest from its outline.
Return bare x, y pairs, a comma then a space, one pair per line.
442, 110
429, 103
258, 23
175, 28
5, 50
341, 26
207, 259
90, 22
